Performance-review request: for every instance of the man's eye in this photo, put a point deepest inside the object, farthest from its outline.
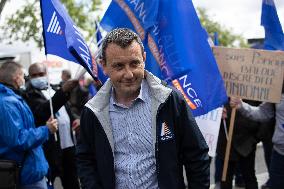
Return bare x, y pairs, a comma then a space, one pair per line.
135, 63
118, 66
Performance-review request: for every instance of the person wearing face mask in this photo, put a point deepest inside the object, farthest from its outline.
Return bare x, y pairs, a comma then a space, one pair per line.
61, 153
20, 140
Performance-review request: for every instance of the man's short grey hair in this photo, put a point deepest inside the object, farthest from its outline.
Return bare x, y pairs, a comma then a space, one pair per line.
122, 37
7, 71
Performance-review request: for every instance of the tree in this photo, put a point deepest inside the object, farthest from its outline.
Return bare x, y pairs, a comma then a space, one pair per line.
225, 36
26, 25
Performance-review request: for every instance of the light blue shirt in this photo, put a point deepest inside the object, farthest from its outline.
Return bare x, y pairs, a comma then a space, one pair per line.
134, 153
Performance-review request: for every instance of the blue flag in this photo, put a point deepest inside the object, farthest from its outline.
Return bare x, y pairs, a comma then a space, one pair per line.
274, 37
216, 40
99, 36
176, 46
62, 38
101, 76
92, 90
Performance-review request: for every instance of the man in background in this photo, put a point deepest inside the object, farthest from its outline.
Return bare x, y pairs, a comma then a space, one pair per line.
59, 152
20, 140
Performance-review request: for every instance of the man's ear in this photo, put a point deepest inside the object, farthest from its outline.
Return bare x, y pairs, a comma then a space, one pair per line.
103, 63
144, 56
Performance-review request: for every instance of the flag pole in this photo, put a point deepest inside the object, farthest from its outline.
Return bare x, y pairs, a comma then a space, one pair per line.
47, 72
229, 142
49, 94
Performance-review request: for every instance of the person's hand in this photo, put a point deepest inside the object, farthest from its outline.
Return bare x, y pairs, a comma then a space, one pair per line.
69, 85
235, 102
224, 113
52, 125
76, 125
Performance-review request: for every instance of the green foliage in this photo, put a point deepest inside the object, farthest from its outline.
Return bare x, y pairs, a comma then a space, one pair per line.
225, 36
26, 25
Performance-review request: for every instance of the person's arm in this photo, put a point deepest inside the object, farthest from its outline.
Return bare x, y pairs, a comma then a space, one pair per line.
194, 150
41, 107
85, 152
14, 131
263, 112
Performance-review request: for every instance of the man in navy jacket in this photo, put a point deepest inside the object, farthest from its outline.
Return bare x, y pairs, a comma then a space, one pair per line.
137, 132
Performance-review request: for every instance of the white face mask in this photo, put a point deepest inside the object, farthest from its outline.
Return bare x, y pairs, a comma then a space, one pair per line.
40, 82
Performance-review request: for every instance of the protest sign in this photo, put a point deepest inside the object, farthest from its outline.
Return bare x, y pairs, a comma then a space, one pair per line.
251, 73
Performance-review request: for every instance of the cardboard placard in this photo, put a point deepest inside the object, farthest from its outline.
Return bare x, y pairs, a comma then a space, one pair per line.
251, 73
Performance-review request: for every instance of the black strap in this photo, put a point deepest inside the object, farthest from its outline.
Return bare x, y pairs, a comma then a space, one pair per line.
22, 161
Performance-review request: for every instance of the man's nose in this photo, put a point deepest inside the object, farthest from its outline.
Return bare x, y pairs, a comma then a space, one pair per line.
128, 73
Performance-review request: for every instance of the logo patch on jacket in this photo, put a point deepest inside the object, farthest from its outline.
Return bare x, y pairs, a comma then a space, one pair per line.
166, 133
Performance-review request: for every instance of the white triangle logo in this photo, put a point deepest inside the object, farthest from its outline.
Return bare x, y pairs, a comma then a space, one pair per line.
53, 26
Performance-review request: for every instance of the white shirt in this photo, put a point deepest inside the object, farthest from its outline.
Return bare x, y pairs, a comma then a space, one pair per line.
63, 122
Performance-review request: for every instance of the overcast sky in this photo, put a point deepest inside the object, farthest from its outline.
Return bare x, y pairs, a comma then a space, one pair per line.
242, 16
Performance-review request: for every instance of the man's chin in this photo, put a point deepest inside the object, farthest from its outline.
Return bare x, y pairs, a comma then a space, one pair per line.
130, 90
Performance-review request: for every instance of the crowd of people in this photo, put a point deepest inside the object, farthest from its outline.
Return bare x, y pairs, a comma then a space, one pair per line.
136, 132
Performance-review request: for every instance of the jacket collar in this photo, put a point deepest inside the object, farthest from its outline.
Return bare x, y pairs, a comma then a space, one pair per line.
9, 89
99, 104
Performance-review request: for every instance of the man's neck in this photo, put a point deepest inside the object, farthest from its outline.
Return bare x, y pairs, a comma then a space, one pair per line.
126, 100
12, 87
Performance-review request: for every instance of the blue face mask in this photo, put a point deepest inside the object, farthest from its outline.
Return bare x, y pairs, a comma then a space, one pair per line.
40, 83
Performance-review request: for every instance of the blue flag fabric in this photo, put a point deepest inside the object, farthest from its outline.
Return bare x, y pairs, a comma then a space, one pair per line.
176, 46
274, 37
216, 40
99, 36
92, 90
101, 76
62, 38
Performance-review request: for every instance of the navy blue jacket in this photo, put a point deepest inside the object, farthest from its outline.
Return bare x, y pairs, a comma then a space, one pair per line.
184, 146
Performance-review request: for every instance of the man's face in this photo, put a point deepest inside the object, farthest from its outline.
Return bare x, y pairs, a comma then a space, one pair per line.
125, 68
64, 77
19, 79
37, 71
